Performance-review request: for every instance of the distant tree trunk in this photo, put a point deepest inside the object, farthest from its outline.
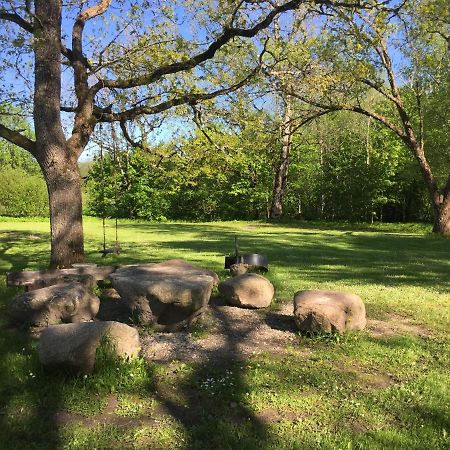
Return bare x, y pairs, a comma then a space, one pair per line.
58, 162
440, 199
442, 216
280, 182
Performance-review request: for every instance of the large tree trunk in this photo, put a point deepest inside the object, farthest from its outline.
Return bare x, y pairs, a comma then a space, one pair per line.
66, 223
280, 182
58, 162
442, 216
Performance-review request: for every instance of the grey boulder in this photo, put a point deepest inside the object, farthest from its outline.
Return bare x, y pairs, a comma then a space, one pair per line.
71, 302
169, 295
249, 290
74, 346
319, 311
87, 280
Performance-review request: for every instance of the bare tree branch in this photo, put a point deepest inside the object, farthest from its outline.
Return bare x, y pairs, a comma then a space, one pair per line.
198, 122
17, 138
15, 18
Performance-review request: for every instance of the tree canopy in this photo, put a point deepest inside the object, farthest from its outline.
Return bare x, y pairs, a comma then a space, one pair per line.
136, 66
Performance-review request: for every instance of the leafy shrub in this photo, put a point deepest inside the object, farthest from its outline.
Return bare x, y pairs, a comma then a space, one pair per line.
22, 194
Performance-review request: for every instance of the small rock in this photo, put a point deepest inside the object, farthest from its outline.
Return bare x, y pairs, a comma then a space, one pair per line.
238, 269
74, 346
249, 290
327, 311
72, 302
241, 268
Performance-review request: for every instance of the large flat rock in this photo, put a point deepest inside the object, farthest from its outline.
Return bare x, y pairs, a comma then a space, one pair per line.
169, 295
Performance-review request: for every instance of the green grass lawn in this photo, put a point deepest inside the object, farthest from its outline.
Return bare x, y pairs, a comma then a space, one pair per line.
361, 390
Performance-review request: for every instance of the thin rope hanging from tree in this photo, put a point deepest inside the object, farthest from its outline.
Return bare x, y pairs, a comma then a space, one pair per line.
116, 249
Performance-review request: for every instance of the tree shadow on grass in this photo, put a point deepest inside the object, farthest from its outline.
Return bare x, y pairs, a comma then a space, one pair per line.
210, 404
214, 413
25, 421
19, 249
391, 260
209, 401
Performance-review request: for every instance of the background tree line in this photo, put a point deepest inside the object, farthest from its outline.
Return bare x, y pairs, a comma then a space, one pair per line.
342, 167
320, 109
22, 187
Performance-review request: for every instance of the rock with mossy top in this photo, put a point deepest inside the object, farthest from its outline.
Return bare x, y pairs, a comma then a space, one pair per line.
85, 279
318, 311
74, 347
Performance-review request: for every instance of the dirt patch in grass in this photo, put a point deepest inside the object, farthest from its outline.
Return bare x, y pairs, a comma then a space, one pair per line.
107, 417
272, 415
396, 325
365, 378
231, 334
358, 426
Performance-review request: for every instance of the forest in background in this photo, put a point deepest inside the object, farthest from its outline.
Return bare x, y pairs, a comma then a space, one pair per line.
342, 167
332, 124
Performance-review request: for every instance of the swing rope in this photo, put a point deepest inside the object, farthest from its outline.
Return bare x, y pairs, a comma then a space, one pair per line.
116, 249
102, 188
116, 200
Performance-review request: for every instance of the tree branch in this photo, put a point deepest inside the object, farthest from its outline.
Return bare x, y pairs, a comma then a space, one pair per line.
379, 89
76, 56
228, 33
358, 109
15, 18
15, 137
310, 118
143, 146
104, 115
198, 121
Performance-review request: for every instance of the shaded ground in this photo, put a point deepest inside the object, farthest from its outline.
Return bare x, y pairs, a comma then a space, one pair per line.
231, 333
227, 333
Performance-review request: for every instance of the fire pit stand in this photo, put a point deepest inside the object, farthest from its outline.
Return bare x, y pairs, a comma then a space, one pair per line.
256, 260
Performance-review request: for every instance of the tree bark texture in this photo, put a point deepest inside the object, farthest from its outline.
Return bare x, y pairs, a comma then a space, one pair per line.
57, 160
440, 200
66, 221
442, 216
280, 182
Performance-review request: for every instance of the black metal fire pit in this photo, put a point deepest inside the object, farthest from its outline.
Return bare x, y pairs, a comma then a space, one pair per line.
253, 259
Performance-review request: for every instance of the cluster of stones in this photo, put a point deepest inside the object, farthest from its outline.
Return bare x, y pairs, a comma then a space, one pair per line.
315, 311
169, 296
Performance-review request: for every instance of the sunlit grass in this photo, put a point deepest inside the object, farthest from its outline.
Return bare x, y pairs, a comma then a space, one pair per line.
355, 391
